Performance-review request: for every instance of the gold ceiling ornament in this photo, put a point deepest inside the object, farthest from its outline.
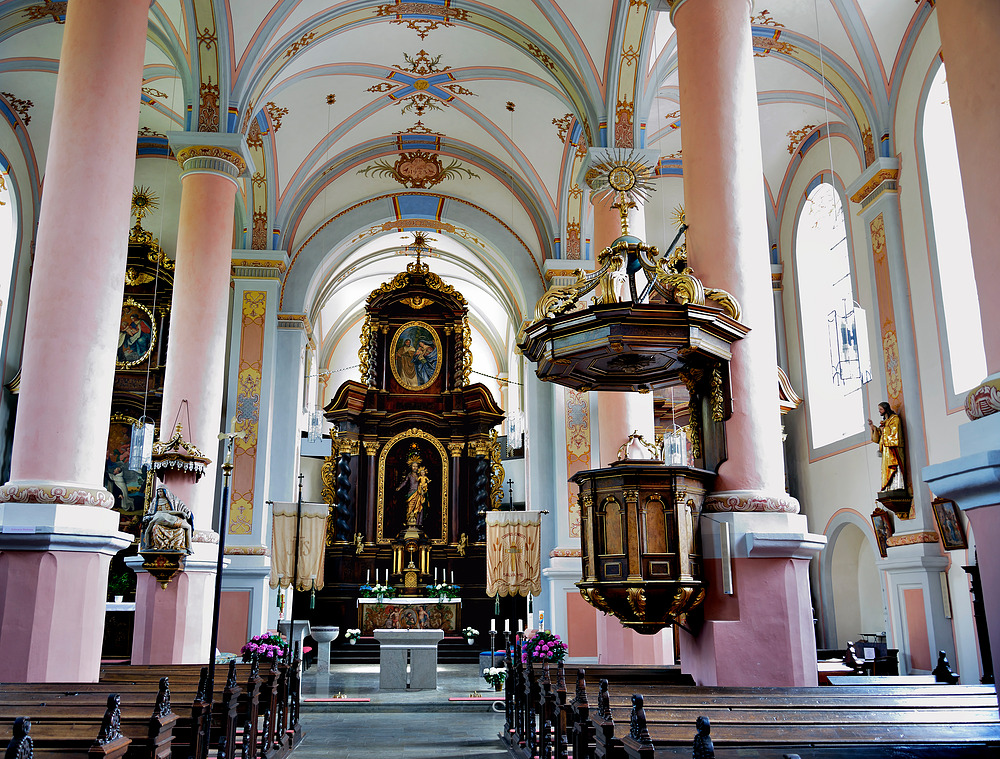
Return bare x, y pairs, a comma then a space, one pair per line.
144, 201
678, 217
625, 175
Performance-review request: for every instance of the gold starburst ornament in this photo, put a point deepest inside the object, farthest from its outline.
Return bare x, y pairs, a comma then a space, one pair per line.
144, 202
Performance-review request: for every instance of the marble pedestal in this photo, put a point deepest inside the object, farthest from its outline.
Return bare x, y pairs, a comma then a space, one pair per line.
323, 636
416, 647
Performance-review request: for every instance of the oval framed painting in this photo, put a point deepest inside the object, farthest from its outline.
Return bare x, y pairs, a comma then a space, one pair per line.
415, 355
136, 335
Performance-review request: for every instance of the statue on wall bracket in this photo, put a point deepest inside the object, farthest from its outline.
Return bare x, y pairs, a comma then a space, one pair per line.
888, 435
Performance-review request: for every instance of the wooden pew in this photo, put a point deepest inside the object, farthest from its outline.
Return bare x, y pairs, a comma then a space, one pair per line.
73, 727
870, 716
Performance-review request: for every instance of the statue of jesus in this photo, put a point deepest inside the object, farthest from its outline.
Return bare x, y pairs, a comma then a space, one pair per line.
889, 436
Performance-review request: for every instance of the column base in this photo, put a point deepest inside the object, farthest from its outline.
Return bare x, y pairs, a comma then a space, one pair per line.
53, 585
762, 633
173, 625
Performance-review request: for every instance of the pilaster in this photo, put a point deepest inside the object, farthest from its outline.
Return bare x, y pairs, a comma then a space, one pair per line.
250, 398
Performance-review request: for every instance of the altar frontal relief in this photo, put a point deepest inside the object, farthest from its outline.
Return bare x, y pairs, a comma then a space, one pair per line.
513, 553
416, 355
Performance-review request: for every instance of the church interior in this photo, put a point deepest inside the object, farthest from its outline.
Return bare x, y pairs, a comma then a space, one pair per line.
661, 325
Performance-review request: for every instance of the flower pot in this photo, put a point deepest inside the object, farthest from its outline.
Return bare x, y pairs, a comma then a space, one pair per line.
498, 687
352, 641
119, 599
470, 641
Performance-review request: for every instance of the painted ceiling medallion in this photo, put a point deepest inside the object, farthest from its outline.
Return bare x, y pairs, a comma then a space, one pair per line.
423, 18
418, 169
421, 85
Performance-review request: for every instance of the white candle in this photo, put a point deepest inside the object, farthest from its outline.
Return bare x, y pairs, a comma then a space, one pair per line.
435, 575
520, 625
453, 577
506, 625
368, 577
531, 620
493, 625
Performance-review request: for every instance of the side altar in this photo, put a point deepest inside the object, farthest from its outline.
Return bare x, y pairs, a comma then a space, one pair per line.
415, 463
409, 614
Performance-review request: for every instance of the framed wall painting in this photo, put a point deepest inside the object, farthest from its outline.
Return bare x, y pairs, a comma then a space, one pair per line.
415, 355
136, 334
884, 527
949, 524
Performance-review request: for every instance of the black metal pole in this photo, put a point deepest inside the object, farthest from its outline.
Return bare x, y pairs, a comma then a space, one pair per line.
227, 468
295, 567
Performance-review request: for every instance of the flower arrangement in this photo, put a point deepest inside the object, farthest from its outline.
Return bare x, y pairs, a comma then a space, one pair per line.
542, 645
443, 590
378, 591
270, 645
470, 632
352, 635
495, 676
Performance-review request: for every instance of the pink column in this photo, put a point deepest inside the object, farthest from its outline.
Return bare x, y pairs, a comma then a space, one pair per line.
173, 625
53, 599
970, 35
728, 249
618, 416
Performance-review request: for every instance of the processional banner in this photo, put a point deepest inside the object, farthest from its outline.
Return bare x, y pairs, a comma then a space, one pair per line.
312, 543
513, 553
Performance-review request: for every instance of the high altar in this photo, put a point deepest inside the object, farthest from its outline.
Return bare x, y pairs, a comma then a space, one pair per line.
414, 465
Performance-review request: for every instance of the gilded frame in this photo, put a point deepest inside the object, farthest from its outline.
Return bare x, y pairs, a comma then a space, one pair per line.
883, 526
412, 332
134, 315
413, 432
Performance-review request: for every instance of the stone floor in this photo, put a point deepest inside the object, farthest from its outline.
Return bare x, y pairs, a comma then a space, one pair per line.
445, 723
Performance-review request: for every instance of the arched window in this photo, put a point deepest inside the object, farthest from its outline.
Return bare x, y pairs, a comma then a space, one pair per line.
963, 330
834, 337
8, 239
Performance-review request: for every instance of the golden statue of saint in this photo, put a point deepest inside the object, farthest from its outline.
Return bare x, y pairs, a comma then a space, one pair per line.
889, 436
416, 481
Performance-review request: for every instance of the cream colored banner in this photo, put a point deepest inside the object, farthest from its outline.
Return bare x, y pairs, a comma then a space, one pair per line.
312, 541
513, 553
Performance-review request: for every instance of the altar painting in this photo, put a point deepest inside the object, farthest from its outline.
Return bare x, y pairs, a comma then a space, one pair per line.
415, 355
412, 616
413, 487
126, 485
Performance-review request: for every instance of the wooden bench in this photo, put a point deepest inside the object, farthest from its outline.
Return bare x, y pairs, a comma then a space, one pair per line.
545, 720
88, 724
259, 720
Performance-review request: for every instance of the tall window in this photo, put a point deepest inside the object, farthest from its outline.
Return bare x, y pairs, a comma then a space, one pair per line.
834, 337
8, 238
963, 329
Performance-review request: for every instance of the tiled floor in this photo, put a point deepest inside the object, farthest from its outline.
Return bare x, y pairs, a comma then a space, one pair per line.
422, 724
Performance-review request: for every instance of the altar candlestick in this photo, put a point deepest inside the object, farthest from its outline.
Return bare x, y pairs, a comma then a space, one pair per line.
541, 620
506, 625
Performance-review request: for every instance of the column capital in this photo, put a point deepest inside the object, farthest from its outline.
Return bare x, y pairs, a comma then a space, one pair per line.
876, 181
259, 264
207, 153
672, 6
297, 322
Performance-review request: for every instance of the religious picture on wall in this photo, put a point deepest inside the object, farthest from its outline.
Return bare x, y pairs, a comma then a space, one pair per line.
412, 484
949, 524
415, 355
136, 334
126, 485
884, 528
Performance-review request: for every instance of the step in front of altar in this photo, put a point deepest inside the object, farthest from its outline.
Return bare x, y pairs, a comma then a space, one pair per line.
451, 650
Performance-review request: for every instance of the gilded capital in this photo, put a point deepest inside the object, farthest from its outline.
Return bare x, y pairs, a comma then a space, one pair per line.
371, 447
211, 160
455, 449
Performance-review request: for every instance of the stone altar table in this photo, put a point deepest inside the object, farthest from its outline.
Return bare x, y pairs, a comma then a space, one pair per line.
419, 647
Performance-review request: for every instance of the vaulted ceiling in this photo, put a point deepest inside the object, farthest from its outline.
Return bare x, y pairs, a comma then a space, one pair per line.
468, 119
